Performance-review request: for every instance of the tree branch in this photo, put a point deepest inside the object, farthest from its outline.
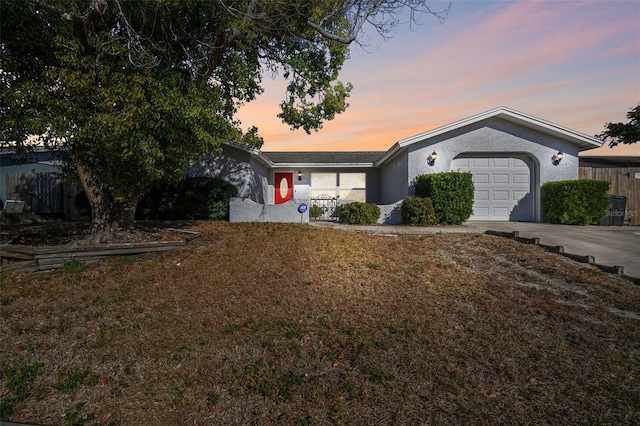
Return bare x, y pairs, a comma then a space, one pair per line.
331, 36
64, 15
381, 14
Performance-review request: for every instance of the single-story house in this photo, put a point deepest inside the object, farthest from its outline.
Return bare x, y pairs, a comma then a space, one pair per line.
510, 155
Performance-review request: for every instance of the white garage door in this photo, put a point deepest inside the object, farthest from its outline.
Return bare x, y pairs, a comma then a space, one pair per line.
502, 187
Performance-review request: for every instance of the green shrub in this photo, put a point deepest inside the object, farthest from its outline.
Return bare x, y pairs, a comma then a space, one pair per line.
575, 202
359, 213
451, 194
418, 211
191, 198
316, 211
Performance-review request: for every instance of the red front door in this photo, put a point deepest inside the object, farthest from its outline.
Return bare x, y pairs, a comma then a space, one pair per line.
283, 187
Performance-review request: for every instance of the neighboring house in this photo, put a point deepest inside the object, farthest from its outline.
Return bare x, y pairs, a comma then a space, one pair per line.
32, 181
35, 182
510, 155
40, 160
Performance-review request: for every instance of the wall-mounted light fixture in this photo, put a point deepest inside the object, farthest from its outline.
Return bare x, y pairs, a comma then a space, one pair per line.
431, 159
299, 174
557, 157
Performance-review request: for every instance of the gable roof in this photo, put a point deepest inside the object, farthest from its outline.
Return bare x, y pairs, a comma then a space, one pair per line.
324, 159
581, 140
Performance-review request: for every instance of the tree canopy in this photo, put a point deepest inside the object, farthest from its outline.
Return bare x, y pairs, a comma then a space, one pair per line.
129, 91
623, 133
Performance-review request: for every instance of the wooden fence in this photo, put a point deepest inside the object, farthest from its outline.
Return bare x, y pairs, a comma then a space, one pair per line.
623, 183
45, 193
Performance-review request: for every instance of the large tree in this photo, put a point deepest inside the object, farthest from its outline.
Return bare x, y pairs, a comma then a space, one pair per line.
129, 91
623, 133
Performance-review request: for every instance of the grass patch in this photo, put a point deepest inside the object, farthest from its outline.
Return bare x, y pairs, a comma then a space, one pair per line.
18, 383
70, 379
75, 267
255, 325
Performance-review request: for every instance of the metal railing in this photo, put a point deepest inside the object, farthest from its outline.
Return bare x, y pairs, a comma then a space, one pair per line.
323, 207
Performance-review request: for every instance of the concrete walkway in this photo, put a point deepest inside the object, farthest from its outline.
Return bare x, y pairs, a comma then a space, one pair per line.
609, 245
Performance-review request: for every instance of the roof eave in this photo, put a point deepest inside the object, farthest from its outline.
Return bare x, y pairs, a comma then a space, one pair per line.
582, 141
322, 165
253, 151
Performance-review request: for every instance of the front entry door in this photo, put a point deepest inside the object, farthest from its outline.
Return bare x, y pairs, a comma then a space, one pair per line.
283, 187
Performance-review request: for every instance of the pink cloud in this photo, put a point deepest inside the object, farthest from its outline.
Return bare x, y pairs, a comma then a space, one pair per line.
568, 62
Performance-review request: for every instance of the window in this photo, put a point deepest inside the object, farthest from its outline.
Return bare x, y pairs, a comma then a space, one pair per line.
324, 183
347, 186
353, 186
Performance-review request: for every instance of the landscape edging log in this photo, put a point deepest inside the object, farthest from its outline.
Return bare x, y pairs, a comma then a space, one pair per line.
515, 235
32, 259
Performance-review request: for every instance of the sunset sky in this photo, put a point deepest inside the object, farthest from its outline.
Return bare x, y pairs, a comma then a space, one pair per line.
574, 63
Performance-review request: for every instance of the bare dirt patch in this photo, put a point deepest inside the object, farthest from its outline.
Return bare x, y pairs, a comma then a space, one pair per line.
291, 324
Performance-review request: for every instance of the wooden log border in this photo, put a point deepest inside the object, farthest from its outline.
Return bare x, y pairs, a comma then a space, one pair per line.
33, 259
515, 235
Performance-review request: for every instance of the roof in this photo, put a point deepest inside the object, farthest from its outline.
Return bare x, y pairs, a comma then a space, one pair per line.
581, 140
327, 159
609, 161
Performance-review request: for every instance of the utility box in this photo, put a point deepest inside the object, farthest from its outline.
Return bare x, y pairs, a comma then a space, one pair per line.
14, 207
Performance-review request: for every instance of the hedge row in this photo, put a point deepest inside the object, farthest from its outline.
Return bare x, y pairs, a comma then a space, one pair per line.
575, 202
191, 198
359, 213
450, 194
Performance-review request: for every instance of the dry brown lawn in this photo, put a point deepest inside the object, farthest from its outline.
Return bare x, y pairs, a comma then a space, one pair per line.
273, 324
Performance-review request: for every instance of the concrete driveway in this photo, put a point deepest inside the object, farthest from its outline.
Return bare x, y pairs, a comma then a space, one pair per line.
609, 245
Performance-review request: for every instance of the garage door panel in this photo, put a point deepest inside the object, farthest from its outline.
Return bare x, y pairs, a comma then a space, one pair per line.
481, 195
501, 196
463, 162
501, 178
480, 178
481, 213
502, 187
479, 162
521, 178
499, 212
519, 195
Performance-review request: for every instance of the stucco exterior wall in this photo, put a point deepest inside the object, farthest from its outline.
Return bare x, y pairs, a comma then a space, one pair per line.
237, 167
390, 214
373, 186
394, 179
245, 210
494, 136
499, 136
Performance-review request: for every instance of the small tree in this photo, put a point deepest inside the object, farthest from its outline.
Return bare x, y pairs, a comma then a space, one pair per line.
625, 133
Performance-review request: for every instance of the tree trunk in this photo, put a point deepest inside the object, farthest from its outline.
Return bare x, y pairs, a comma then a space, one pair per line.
111, 221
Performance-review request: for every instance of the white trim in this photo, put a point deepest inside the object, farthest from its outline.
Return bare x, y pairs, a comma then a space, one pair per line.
322, 165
